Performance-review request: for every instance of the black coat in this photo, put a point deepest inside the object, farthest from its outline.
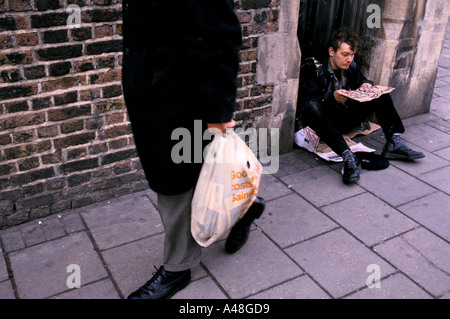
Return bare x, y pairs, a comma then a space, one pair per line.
180, 63
316, 82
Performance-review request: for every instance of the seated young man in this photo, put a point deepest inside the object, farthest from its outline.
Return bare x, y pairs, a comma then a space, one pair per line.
324, 109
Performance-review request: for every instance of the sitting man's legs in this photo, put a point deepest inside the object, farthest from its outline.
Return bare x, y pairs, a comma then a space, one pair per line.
391, 124
328, 125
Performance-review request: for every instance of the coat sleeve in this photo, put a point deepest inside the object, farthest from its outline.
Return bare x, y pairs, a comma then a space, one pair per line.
211, 42
311, 88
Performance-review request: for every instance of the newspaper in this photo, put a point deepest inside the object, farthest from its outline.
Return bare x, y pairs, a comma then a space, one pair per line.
368, 94
308, 139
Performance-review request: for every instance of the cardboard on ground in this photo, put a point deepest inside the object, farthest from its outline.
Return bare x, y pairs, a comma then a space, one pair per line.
308, 139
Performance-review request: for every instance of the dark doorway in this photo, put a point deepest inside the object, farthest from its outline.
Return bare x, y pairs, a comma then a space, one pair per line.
319, 18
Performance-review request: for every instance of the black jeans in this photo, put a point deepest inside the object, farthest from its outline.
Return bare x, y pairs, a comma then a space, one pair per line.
330, 123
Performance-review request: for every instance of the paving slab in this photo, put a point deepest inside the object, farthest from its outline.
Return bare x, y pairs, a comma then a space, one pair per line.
338, 262
444, 153
321, 185
3, 270
394, 186
290, 219
123, 220
132, 264
271, 187
443, 72
103, 289
442, 92
441, 125
439, 178
396, 286
296, 161
421, 256
204, 288
41, 271
369, 218
430, 163
258, 265
302, 287
427, 137
431, 211
12, 239
6, 290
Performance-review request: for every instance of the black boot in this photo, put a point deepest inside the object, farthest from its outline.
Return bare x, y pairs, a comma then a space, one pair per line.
352, 167
395, 148
163, 285
239, 233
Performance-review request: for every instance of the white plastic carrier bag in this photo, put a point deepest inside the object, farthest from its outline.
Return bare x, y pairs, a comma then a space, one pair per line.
226, 188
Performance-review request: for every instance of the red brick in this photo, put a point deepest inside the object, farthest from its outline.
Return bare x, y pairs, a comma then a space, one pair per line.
102, 31
27, 39
115, 118
10, 92
28, 163
63, 83
20, 5
73, 140
24, 136
5, 41
65, 113
21, 120
118, 131
5, 139
16, 58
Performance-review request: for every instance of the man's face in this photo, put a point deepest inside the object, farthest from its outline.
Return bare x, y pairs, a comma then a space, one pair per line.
341, 58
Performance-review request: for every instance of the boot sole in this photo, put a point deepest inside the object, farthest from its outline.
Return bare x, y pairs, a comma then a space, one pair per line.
351, 180
392, 156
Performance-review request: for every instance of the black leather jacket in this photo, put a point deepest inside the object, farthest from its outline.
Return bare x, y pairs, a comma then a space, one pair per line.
317, 82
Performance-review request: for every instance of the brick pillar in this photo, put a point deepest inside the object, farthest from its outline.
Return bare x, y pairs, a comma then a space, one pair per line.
406, 51
270, 31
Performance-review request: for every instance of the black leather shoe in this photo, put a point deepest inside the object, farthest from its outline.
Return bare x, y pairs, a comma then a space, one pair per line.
239, 233
352, 167
395, 148
163, 285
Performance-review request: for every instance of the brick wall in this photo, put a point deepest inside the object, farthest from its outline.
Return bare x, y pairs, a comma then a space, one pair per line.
65, 139
258, 18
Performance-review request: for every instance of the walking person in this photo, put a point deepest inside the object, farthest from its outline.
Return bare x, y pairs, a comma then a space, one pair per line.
180, 65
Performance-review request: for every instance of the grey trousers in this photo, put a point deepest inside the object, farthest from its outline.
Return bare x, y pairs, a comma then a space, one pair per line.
181, 251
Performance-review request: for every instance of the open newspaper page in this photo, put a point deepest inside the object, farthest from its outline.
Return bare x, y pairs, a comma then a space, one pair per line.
368, 94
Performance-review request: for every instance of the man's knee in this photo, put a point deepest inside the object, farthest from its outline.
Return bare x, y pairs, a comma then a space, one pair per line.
312, 109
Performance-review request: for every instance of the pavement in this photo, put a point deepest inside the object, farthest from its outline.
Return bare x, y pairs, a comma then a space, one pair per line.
387, 236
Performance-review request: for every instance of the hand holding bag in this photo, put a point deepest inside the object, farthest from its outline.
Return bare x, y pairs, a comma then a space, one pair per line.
227, 186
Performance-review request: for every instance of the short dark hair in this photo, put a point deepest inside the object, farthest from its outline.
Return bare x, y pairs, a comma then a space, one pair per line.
344, 35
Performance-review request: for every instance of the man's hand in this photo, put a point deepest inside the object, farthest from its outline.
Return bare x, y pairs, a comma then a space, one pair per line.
339, 97
221, 126
366, 86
